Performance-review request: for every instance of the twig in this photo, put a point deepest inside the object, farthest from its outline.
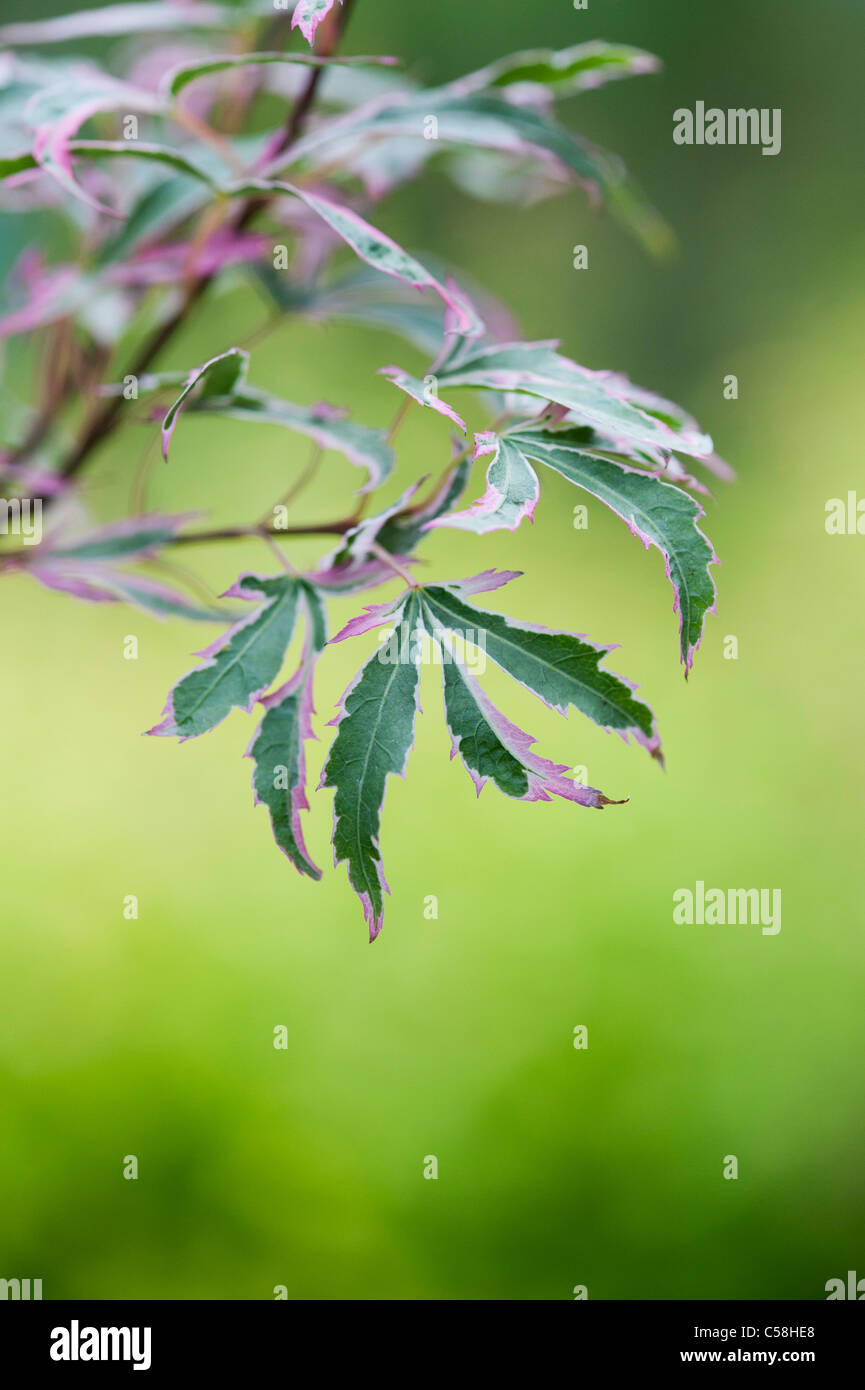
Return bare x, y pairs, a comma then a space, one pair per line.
275, 550
187, 577
231, 533
138, 492
182, 116
297, 487
398, 419
328, 46
388, 559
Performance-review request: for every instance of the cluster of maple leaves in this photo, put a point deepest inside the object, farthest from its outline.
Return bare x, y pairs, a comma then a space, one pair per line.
497, 134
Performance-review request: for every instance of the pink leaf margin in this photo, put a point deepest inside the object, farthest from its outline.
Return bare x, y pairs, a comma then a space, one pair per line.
545, 778
167, 727
487, 581
302, 681
487, 443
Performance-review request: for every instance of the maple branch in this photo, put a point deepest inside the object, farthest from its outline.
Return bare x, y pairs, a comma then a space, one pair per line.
104, 422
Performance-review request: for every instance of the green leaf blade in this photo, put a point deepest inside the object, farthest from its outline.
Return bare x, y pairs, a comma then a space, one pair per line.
279, 774
657, 513
494, 749
217, 377
277, 747
558, 667
373, 741
239, 665
180, 77
511, 495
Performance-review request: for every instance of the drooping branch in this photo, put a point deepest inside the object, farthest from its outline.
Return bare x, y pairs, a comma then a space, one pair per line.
232, 533
30, 554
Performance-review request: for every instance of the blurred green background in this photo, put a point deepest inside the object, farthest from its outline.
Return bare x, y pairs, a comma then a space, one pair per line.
453, 1037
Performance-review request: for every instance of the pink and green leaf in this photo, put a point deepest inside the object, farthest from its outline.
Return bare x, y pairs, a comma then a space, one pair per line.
180, 77
603, 400
278, 746
494, 749
374, 737
217, 377
367, 242
511, 495
477, 120
560, 668
563, 72
653, 510
423, 394
240, 665
57, 114
402, 532
136, 537
220, 387
93, 581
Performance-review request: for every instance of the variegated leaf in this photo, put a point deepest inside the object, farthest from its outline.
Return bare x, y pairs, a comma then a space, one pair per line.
240, 665
278, 745
653, 510
374, 737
